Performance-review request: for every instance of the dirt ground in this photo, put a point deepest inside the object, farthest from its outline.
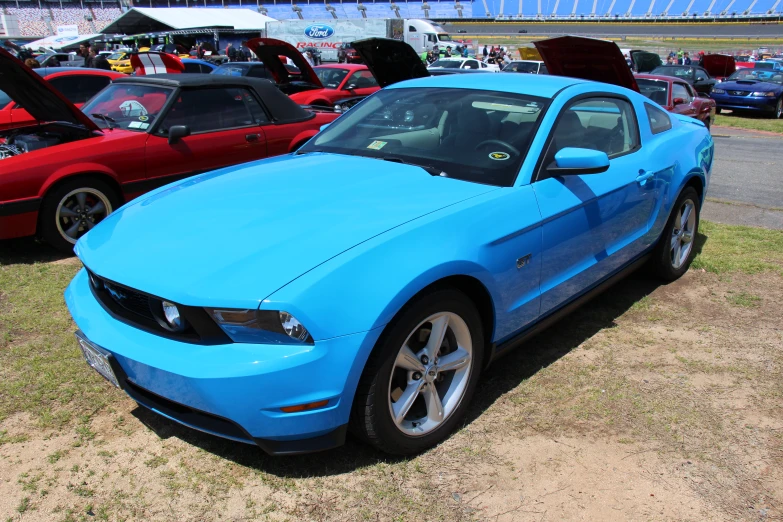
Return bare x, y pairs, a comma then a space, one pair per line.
650, 403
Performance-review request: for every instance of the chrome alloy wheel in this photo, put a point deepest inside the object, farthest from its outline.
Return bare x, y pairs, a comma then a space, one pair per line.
430, 374
682, 234
79, 211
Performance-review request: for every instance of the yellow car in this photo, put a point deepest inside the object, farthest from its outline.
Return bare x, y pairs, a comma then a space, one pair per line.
120, 62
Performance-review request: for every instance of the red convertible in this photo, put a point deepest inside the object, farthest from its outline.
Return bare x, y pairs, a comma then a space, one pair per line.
677, 96
72, 168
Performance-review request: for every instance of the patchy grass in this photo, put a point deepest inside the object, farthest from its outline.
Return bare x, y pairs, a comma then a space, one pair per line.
673, 390
728, 248
749, 122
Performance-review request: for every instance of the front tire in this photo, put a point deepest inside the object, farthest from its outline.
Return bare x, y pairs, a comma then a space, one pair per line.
73, 208
419, 380
779, 109
674, 253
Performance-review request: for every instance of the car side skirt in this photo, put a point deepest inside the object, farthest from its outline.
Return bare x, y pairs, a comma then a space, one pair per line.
21, 206
500, 349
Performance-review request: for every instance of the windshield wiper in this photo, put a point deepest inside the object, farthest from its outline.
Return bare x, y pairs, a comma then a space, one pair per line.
109, 120
429, 169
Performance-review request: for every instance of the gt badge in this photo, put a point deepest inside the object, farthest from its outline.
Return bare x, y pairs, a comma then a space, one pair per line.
500, 156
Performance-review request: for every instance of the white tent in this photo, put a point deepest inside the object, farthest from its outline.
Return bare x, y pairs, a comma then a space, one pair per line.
58, 42
150, 20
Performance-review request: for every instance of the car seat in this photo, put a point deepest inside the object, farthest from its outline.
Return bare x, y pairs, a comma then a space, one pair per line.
469, 127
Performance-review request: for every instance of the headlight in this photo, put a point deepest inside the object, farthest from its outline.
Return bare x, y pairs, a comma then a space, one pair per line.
171, 314
260, 326
718, 91
764, 94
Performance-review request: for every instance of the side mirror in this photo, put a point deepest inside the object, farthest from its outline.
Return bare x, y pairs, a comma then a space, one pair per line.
572, 160
351, 86
323, 127
700, 79
177, 132
678, 101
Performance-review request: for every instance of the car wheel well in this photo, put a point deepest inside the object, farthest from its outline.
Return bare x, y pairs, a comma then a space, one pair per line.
473, 290
111, 182
698, 186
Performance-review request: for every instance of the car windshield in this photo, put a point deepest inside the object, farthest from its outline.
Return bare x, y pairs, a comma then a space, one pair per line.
764, 65
656, 90
331, 77
116, 56
4, 99
231, 70
679, 72
759, 75
448, 64
472, 135
127, 106
444, 37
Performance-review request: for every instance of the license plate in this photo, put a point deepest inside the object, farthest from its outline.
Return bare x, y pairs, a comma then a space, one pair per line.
97, 359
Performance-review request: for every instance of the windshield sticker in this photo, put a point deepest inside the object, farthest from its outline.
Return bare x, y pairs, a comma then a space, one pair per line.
500, 156
135, 125
144, 125
377, 145
143, 118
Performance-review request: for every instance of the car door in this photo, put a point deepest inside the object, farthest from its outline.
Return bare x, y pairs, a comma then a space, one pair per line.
682, 93
593, 223
224, 126
702, 81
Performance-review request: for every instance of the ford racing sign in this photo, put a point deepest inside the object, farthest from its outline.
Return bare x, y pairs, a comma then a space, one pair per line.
318, 31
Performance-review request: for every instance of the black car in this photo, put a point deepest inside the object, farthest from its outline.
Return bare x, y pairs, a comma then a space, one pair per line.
699, 78
522, 31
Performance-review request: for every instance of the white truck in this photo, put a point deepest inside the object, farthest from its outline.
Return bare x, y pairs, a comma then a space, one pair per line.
327, 35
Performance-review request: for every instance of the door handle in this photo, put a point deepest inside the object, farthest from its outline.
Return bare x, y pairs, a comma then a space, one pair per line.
252, 137
643, 177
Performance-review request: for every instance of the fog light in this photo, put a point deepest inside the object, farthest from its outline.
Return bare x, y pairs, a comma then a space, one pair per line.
171, 313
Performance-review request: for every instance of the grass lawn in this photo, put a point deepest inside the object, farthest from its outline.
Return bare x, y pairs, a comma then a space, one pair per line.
749, 122
663, 402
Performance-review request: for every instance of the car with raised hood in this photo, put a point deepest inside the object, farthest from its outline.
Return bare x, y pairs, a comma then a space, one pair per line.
77, 84
719, 66
367, 280
758, 91
677, 96
697, 76
65, 173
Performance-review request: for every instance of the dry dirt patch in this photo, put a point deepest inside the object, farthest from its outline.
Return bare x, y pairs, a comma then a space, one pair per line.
651, 403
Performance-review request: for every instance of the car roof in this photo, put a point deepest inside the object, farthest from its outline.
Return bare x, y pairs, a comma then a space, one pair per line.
531, 84
282, 107
526, 61
197, 60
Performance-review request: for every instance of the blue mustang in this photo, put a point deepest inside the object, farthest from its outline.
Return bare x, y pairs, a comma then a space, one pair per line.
758, 90
370, 277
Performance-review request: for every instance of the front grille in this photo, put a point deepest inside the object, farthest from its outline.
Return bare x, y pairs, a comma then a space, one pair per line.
144, 311
130, 300
739, 93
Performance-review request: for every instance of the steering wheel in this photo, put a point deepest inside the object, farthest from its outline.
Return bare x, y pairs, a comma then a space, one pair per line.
501, 143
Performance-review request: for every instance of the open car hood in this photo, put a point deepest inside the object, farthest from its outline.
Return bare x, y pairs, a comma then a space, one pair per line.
390, 61
36, 95
587, 59
720, 65
645, 61
151, 62
269, 50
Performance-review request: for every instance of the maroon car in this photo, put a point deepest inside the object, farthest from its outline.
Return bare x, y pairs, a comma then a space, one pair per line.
677, 96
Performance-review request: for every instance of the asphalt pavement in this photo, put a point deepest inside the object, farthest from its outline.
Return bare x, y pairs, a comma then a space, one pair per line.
746, 187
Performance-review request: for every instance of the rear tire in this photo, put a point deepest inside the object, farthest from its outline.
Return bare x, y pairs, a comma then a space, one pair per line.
407, 401
73, 208
674, 252
717, 110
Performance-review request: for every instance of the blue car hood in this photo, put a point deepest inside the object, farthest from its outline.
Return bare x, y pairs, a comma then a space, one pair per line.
234, 236
749, 86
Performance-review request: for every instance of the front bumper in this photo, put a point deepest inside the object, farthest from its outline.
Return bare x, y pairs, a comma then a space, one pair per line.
233, 390
745, 103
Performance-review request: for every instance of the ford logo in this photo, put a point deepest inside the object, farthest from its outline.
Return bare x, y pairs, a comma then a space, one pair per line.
318, 31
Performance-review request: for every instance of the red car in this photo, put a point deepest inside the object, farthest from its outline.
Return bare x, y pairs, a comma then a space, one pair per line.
67, 172
77, 84
324, 85
677, 96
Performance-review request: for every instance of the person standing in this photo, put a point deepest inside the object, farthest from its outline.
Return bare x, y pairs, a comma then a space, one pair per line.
686, 60
485, 52
84, 51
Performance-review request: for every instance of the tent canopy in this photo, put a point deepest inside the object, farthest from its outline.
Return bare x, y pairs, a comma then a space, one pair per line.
146, 20
58, 42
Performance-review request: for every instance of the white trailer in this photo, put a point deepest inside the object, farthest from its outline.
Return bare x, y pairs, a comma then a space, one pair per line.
327, 35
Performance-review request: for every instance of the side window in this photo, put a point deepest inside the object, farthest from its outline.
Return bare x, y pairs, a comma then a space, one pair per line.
210, 110
691, 93
471, 64
411, 29
543, 69
605, 124
258, 71
483, 65
659, 120
191, 67
362, 80
80, 88
679, 91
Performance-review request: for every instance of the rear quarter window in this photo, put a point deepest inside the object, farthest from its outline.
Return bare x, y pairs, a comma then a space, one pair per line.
659, 120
